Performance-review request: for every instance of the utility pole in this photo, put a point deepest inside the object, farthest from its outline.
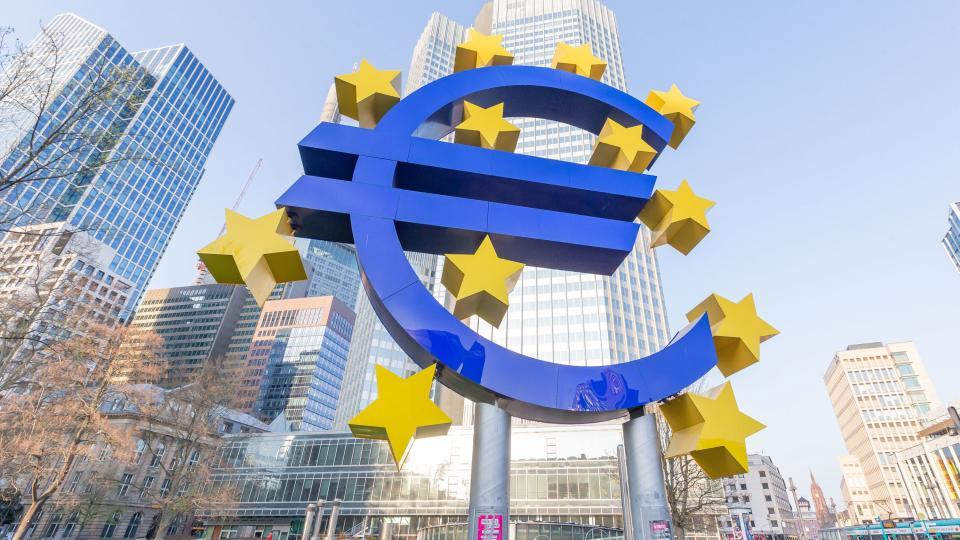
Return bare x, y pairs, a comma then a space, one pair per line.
793, 491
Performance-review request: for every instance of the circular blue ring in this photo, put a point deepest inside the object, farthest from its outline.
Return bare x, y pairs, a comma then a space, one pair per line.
472, 365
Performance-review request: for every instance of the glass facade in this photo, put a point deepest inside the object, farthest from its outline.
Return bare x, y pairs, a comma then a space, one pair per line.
931, 472
564, 317
195, 324
334, 270
164, 125
556, 316
951, 242
528, 531
303, 345
557, 476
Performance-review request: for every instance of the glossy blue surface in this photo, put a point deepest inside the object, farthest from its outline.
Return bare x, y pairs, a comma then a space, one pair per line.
390, 189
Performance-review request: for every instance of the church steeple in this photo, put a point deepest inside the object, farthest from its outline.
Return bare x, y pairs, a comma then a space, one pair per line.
824, 515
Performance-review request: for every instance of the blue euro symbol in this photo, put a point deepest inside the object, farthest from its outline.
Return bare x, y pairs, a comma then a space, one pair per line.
397, 187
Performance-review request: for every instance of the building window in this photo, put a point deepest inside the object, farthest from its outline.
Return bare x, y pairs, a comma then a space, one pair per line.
158, 455
765, 485
194, 458
141, 448
767, 498
743, 486
165, 488
71, 523
53, 526
125, 481
184, 486
770, 511
763, 474
147, 484
111, 525
74, 482
174, 526
104, 452
773, 523
132, 527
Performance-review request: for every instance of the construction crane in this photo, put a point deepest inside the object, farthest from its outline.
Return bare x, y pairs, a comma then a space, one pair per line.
202, 272
246, 186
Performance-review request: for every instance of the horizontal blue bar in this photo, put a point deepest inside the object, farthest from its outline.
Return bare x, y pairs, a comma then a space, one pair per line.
331, 150
433, 223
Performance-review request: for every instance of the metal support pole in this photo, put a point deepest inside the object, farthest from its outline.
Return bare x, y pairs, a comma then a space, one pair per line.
317, 519
308, 521
386, 531
647, 497
334, 514
490, 472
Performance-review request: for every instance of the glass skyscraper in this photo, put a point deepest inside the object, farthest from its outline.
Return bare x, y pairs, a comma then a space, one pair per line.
301, 345
951, 242
154, 136
557, 316
372, 344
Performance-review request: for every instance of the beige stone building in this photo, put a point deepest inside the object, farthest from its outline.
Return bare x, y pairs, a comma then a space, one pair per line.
856, 494
881, 395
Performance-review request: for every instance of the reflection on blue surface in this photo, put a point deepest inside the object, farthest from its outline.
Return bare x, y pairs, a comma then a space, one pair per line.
387, 190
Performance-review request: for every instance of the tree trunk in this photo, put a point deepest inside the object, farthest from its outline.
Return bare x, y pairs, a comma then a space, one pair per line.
681, 533
162, 526
28, 516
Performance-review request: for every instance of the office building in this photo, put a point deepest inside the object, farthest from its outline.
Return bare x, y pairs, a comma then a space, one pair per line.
117, 495
195, 325
931, 470
881, 396
300, 344
372, 345
557, 476
856, 493
154, 135
760, 498
951, 241
333, 270
52, 285
554, 315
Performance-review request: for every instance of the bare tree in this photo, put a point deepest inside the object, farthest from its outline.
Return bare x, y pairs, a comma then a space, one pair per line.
694, 498
46, 430
186, 426
45, 299
62, 112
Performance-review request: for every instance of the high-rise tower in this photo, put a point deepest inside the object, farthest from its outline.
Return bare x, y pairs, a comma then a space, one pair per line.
372, 344
881, 395
951, 241
554, 315
154, 133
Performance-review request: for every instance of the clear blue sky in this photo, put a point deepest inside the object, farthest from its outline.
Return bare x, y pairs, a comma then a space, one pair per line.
828, 136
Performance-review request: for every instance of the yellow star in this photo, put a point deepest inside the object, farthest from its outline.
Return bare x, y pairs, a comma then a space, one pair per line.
402, 411
678, 218
711, 429
623, 148
481, 283
737, 331
579, 60
368, 93
486, 128
254, 252
481, 50
678, 108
